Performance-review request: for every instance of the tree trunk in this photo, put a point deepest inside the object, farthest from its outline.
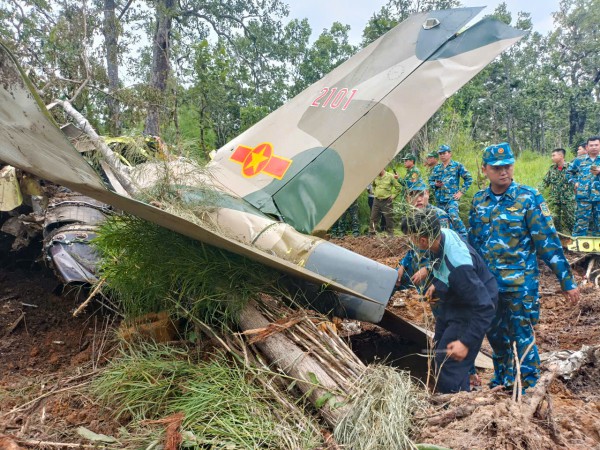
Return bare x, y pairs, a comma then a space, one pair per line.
299, 365
111, 38
577, 119
121, 171
160, 64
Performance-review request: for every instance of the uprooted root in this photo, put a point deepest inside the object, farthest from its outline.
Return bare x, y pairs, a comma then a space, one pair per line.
490, 420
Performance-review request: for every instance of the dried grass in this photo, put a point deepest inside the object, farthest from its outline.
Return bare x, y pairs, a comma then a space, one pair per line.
383, 410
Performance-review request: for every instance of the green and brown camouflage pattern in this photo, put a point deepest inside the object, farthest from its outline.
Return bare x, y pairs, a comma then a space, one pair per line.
297, 170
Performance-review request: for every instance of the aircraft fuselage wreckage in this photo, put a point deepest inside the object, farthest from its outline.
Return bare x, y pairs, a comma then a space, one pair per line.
295, 172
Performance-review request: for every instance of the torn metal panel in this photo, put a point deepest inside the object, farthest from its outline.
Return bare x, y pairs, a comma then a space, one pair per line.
10, 191
71, 222
69, 253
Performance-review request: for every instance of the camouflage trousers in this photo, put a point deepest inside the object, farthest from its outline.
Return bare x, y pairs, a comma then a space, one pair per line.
516, 315
451, 207
349, 217
563, 214
587, 219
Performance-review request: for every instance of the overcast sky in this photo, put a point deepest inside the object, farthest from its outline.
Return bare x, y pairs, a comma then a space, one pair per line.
322, 13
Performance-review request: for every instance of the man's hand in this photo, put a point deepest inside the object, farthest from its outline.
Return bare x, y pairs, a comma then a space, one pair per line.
429, 293
595, 169
438, 183
420, 275
400, 273
457, 350
576, 186
572, 295
458, 195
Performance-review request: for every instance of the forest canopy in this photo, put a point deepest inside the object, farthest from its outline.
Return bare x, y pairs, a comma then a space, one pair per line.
199, 73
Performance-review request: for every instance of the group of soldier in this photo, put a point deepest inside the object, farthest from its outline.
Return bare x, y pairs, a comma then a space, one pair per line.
574, 189
485, 280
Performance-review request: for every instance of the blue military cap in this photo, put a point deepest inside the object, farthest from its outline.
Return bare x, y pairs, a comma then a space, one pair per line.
417, 185
498, 155
444, 148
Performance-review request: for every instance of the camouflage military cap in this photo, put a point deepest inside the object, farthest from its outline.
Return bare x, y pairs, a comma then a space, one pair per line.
432, 155
444, 148
417, 185
498, 155
409, 157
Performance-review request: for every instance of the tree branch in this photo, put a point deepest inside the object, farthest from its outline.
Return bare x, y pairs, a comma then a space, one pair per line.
125, 8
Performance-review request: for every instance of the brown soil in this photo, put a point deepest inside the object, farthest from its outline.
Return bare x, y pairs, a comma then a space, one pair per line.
569, 417
48, 357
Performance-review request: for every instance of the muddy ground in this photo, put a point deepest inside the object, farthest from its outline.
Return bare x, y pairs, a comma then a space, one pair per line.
48, 357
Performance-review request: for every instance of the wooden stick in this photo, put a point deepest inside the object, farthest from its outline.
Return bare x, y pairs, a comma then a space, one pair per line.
89, 299
41, 397
457, 413
516, 395
37, 444
539, 392
588, 271
14, 325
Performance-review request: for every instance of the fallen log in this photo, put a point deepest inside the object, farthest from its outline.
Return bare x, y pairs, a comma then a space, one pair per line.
312, 378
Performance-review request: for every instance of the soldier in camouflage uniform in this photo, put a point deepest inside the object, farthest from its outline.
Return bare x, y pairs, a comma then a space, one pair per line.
510, 226
562, 197
350, 217
415, 267
582, 149
413, 174
445, 183
584, 174
431, 159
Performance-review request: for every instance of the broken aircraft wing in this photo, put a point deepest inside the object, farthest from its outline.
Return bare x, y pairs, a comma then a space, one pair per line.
31, 141
304, 163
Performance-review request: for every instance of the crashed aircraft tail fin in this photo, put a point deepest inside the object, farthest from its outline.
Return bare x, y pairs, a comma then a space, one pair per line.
309, 160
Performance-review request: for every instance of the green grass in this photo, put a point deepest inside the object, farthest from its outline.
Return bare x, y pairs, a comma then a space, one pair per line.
149, 269
221, 404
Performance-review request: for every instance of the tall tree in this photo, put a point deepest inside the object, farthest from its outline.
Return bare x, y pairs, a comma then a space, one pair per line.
111, 30
576, 58
227, 20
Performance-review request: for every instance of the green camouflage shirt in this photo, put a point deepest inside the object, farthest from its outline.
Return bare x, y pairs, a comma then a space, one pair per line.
561, 191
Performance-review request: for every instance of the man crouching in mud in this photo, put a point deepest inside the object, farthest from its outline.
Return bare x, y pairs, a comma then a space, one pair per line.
467, 293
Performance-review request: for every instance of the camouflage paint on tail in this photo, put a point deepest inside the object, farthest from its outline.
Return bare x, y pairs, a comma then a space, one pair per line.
31, 141
335, 136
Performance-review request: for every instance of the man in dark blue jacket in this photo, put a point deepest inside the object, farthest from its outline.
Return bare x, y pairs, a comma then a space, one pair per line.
467, 293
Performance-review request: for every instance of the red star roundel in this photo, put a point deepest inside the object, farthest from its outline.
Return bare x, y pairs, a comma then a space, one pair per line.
260, 159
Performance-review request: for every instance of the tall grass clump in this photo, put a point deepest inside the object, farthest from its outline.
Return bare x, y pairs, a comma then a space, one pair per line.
141, 382
221, 405
383, 411
149, 269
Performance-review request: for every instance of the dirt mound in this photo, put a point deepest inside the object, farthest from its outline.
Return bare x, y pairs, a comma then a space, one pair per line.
381, 248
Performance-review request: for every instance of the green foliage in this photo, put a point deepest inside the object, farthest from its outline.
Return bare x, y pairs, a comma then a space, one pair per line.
149, 269
331, 48
231, 63
221, 404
